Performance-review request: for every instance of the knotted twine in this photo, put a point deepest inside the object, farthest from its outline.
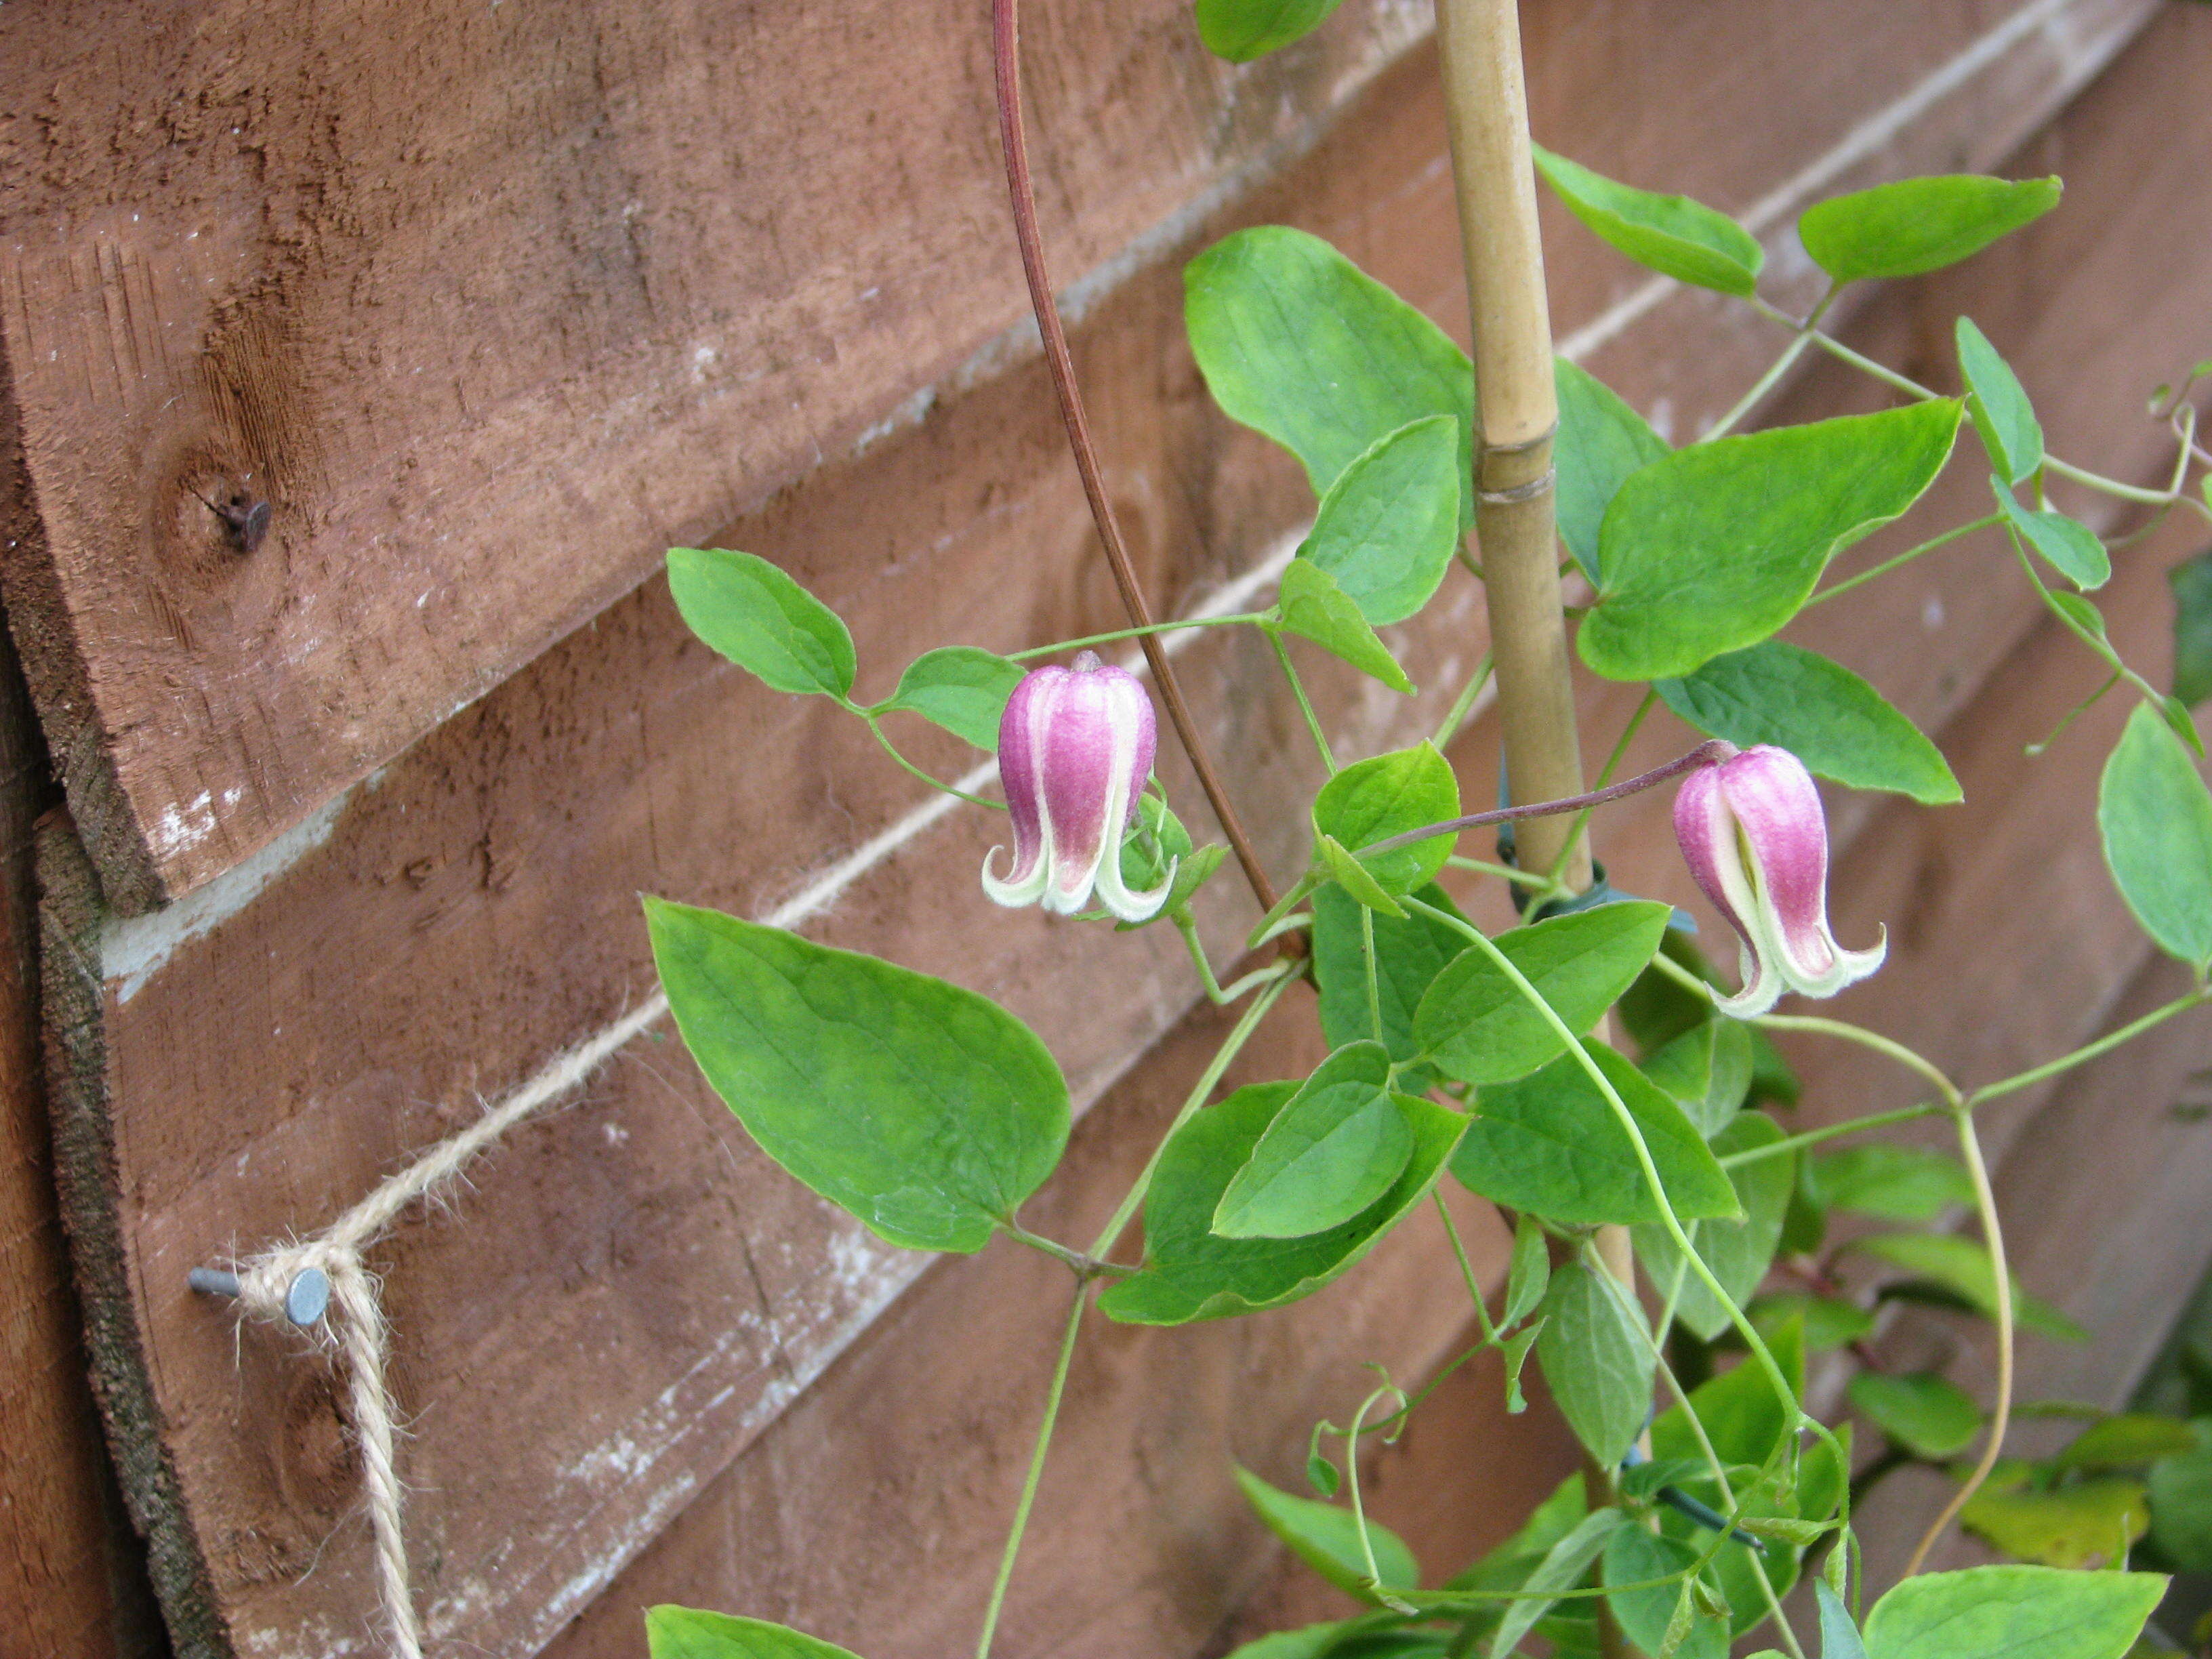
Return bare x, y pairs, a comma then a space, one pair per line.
354, 1328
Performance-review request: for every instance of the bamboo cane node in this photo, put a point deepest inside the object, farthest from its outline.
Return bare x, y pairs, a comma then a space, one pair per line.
1540, 484
1522, 446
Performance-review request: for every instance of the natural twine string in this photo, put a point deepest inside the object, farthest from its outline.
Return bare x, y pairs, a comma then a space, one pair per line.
354, 1328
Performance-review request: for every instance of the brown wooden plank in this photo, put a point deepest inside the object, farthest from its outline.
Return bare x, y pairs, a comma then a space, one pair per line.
253, 251
72, 1580
639, 1293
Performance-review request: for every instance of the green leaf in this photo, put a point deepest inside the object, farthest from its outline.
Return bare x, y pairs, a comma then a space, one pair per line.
2068, 546
1828, 1321
1478, 1027
1828, 717
2087, 1523
2127, 1440
1926, 1414
759, 618
1671, 235
2013, 1612
1550, 1145
1408, 956
1962, 1267
1600, 441
1312, 606
1331, 1153
960, 688
2181, 1509
1998, 407
1309, 1642
1633, 1556
1353, 877
1561, 1569
2192, 582
1391, 795
1296, 341
1598, 1361
1839, 1637
925, 1110
1530, 1274
1158, 843
1706, 1071
1738, 1252
1387, 528
2156, 820
1327, 1538
674, 1632
1898, 1184
1512, 1355
1919, 225
1714, 547
1240, 30
1190, 1274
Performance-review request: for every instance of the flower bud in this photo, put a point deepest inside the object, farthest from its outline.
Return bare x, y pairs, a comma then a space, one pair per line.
1075, 746
1756, 840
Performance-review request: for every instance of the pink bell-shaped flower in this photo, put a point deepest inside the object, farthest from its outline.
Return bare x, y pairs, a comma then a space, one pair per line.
1756, 840
1075, 746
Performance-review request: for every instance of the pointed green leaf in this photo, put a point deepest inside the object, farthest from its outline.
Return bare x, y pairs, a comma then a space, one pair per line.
924, 1109
1714, 547
1314, 607
673, 1633
2156, 820
2067, 546
1828, 717
1408, 956
2084, 1523
1561, 1569
1706, 1071
2128, 1440
1242, 30
1602, 440
1475, 1025
1353, 876
1927, 1415
1647, 1616
1671, 235
1387, 528
1828, 1321
1392, 794
1550, 1145
1998, 407
1839, 1637
1331, 1152
2192, 582
1962, 1267
2181, 1509
750, 612
1597, 1360
1530, 1273
1738, 1252
1299, 343
1327, 1538
1191, 1274
1898, 1184
2013, 1612
960, 688
1919, 225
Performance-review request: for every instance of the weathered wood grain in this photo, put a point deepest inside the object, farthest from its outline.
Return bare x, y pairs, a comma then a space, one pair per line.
255, 251
70, 1585
629, 1295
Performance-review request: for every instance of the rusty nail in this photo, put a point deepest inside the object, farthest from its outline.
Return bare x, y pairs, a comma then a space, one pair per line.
244, 516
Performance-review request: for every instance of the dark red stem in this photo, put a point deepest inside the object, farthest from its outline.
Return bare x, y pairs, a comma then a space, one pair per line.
1006, 39
1704, 754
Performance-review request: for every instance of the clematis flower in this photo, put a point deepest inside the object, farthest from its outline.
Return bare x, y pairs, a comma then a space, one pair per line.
1756, 840
1075, 746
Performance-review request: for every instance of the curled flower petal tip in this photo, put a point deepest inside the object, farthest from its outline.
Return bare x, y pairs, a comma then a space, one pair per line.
1075, 746
1755, 837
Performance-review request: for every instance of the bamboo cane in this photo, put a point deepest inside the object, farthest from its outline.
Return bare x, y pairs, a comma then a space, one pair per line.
1486, 112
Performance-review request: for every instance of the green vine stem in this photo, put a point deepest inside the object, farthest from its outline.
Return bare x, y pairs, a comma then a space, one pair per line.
1147, 631
1028, 1499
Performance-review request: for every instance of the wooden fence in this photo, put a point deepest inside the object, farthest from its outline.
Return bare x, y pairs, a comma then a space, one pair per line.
491, 305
